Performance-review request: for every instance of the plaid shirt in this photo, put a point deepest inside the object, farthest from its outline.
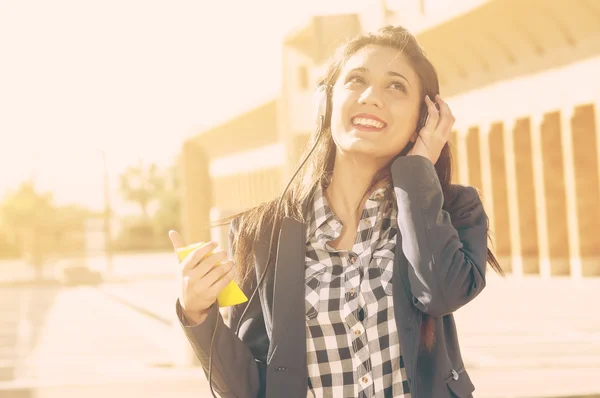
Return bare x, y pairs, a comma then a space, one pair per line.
352, 341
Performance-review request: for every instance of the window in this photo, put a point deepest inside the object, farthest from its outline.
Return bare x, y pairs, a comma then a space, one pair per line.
303, 77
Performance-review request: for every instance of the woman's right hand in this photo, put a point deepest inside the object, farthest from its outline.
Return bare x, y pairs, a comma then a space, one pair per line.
202, 276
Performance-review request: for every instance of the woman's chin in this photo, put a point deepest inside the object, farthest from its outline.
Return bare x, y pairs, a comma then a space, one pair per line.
356, 146
367, 133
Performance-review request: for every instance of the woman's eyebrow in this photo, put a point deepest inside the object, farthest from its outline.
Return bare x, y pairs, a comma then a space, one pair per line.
390, 73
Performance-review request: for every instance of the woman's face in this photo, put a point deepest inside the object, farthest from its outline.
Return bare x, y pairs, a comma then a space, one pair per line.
376, 102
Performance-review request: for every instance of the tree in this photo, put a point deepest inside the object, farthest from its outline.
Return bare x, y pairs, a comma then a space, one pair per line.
9, 245
167, 215
40, 228
28, 214
142, 185
146, 186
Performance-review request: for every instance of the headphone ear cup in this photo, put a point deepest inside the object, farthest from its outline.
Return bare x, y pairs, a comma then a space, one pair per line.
322, 103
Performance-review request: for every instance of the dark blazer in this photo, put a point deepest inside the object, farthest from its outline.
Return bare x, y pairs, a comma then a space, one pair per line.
440, 264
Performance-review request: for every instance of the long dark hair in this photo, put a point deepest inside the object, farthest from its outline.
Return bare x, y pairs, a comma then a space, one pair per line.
252, 221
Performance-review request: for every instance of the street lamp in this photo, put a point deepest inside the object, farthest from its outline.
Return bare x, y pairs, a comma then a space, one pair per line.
107, 217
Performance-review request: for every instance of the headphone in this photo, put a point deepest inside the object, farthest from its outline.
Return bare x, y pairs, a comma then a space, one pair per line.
322, 103
322, 114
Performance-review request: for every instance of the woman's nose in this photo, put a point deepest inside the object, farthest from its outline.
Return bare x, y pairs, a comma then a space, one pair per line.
371, 97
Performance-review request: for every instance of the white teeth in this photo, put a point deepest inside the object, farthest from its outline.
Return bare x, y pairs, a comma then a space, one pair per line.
368, 122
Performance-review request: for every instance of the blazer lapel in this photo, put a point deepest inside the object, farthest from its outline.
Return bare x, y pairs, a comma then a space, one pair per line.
288, 294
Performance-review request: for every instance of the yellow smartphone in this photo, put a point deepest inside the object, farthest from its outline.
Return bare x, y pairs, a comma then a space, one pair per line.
231, 295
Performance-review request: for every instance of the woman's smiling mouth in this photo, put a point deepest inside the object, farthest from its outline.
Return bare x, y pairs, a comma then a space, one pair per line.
366, 122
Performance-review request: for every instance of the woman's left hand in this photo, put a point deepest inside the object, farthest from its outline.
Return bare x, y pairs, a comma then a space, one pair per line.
436, 132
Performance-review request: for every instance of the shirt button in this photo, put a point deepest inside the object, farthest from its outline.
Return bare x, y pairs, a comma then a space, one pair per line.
352, 258
365, 379
357, 332
368, 222
352, 291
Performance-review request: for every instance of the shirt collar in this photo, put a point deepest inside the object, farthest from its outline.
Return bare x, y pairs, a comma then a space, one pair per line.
320, 210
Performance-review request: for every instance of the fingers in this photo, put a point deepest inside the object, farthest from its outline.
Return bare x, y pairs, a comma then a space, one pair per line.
436, 131
433, 115
446, 119
176, 240
194, 258
222, 283
218, 272
209, 262
212, 283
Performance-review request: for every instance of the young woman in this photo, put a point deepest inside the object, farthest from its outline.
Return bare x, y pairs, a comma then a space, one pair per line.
375, 251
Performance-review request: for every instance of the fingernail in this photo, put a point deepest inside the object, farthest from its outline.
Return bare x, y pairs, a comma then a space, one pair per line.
427, 98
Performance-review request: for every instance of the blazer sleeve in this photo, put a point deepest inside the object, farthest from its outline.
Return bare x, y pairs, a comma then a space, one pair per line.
447, 262
237, 369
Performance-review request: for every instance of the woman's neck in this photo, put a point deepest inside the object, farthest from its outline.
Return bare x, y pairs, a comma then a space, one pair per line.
351, 177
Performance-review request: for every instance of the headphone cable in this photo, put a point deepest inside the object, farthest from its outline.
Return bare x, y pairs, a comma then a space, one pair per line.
262, 278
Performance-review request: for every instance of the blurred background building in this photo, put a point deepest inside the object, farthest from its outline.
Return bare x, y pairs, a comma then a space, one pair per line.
520, 77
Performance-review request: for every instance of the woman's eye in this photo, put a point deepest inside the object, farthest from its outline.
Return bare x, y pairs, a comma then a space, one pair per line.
398, 86
355, 79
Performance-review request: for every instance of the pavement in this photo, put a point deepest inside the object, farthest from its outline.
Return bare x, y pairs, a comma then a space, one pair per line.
533, 338
525, 338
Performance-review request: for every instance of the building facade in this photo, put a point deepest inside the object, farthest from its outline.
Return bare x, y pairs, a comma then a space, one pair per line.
521, 79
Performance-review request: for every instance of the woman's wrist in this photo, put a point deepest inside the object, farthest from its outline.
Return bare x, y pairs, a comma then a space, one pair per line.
420, 150
196, 318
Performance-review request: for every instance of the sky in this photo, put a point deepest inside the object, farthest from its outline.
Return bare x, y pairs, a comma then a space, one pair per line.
132, 78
